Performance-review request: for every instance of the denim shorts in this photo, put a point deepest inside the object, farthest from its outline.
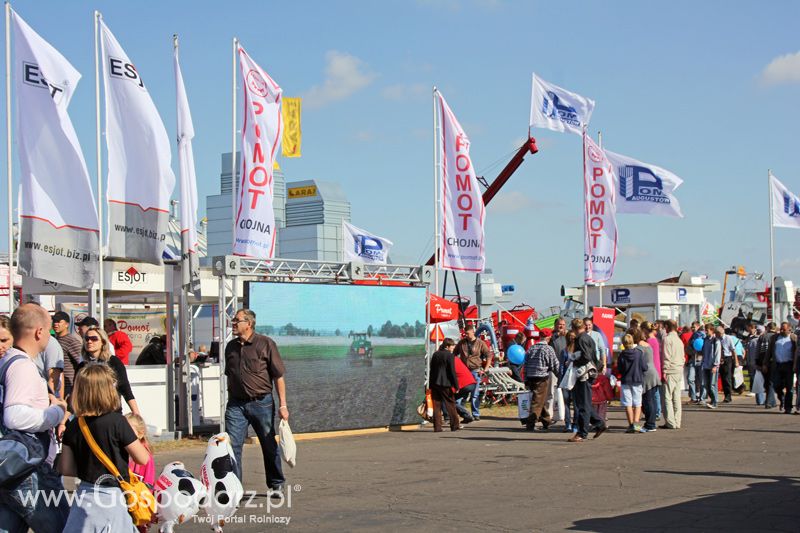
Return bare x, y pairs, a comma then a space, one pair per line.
631, 395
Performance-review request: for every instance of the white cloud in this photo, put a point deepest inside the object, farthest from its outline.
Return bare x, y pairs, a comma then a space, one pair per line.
633, 252
365, 136
789, 263
782, 69
508, 202
345, 75
403, 92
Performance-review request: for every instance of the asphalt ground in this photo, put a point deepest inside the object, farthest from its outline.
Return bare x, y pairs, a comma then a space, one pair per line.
733, 469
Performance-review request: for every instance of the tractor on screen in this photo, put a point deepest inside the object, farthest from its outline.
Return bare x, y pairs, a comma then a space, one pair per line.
360, 353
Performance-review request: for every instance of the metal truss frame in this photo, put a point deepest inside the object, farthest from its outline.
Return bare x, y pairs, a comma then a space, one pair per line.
231, 269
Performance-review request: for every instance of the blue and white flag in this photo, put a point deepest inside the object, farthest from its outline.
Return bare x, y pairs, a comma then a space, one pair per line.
360, 245
785, 205
644, 188
558, 109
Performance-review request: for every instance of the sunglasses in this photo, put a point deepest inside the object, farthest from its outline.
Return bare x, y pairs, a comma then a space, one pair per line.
92, 339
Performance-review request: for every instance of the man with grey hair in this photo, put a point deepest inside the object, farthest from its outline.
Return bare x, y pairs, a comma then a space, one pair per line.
29, 409
253, 366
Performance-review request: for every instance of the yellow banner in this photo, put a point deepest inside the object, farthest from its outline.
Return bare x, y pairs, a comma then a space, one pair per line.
292, 134
301, 192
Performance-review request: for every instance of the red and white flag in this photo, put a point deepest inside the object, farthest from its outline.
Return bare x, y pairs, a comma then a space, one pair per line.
462, 203
254, 233
600, 216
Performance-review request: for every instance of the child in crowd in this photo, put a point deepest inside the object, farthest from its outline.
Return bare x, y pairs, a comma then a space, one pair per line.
146, 472
99, 504
602, 393
631, 366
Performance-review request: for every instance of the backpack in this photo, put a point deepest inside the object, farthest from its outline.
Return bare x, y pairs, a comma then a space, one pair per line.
22, 452
763, 348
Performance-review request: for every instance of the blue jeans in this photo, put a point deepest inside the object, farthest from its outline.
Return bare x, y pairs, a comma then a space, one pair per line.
697, 392
260, 414
476, 396
462, 394
710, 377
17, 513
657, 401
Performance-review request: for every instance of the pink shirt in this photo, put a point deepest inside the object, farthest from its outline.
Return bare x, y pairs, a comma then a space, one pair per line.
24, 384
656, 346
146, 472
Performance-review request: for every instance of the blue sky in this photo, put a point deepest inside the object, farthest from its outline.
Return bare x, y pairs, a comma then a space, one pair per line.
320, 306
684, 85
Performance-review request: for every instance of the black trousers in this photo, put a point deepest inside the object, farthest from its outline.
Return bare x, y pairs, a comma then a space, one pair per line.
726, 371
649, 408
784, 377
585, 415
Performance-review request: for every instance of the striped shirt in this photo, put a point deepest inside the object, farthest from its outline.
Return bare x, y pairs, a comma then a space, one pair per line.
72, 345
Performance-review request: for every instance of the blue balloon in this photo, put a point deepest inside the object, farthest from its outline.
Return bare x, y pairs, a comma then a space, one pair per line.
515, 354
697, 344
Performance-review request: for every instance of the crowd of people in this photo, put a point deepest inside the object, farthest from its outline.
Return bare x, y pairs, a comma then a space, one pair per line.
570, 370
61, 399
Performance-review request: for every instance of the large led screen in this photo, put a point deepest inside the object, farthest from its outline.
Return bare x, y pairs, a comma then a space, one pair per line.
354, 354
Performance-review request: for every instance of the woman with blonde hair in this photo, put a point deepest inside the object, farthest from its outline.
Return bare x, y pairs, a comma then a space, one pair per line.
95, 350
99, 504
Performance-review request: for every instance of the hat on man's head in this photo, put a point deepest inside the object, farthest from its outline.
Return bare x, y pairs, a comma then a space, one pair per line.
87, 321
545, 332
58, 316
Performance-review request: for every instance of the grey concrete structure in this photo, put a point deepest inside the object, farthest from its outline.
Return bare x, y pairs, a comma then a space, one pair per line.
314, 214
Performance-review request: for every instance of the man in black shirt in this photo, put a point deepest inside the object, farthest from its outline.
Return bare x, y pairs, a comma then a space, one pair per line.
252, 365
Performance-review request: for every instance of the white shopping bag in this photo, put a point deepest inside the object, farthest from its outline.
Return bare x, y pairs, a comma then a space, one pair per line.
524, 404
561, 405
569, 379
758, 383
288, 446
738, 377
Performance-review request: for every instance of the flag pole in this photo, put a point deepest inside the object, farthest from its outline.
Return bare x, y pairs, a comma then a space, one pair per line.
585, 222
183, 306
8, 164
771, 247
436, 235
97, 17
233, 142
600, 285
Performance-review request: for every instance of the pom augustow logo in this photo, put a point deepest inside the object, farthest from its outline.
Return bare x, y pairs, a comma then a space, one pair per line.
639, 184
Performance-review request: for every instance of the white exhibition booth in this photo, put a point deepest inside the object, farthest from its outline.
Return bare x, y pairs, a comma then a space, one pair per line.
140, 284
681, 299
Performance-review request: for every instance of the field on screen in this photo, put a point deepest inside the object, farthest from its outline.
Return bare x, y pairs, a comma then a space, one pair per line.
354, 355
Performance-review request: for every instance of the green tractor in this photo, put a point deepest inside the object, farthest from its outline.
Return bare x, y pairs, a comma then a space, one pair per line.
360, 353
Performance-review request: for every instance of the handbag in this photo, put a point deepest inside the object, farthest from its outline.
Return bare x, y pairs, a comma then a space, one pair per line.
22, 452
140, 500
738, 377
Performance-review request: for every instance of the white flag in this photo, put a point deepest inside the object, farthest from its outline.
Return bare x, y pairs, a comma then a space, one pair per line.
140, 178
59, 230
190, 264
360, 245
558, 109
785, 205
600, 232
645, 188
254, 232
462, 203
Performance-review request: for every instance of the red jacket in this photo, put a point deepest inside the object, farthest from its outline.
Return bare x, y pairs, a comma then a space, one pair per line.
122, 345
601, 389
464, 376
